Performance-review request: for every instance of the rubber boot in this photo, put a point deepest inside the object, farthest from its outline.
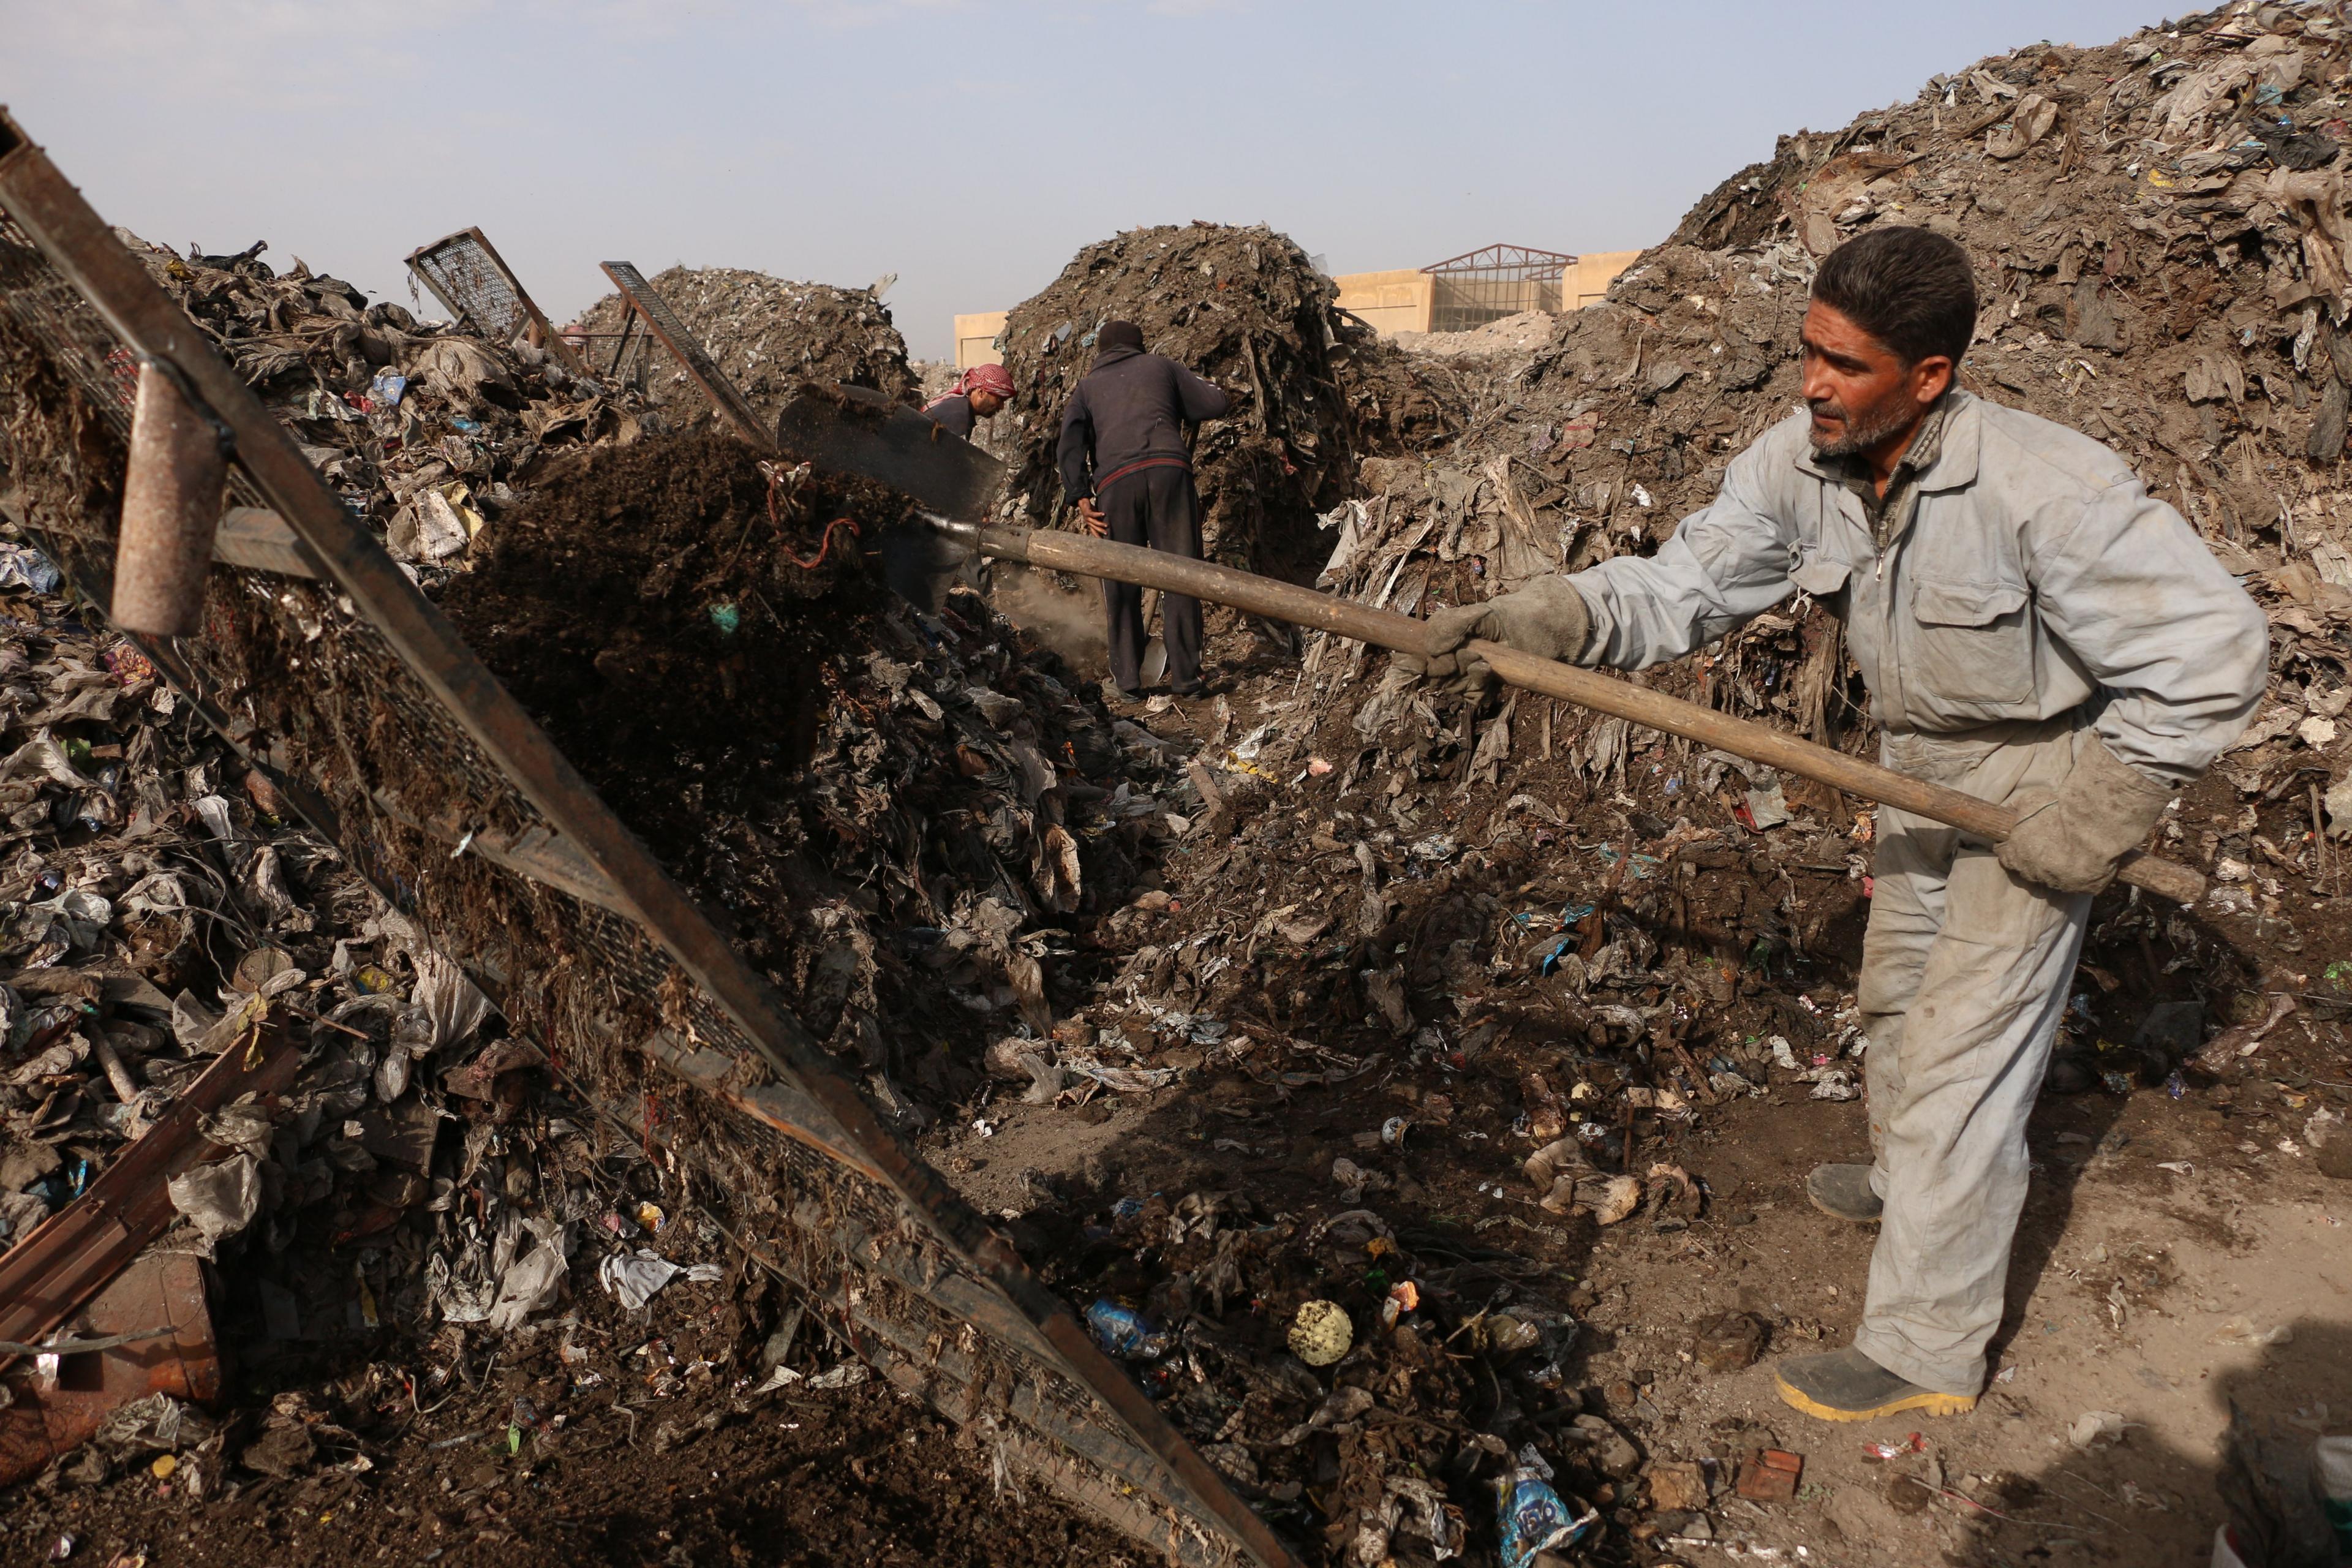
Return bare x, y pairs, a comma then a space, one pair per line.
1847, 1385
1844, 1192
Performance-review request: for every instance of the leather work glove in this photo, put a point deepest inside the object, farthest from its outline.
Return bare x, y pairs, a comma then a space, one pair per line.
1547, 618
2072, 840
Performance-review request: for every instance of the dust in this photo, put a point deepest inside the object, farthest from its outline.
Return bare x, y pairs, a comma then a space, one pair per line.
1069, 620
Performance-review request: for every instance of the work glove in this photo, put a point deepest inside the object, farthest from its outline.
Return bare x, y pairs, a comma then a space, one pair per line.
2072, 840
1547, 618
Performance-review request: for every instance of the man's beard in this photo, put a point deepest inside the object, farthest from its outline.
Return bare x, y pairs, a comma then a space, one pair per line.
1875, 425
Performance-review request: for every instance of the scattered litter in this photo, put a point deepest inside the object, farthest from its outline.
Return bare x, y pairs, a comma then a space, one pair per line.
2096, 1428
1127, 1333
1531, 1516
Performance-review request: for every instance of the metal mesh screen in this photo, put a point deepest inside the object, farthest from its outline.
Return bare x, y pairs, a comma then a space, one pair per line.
299, 682
467, 278
647, 302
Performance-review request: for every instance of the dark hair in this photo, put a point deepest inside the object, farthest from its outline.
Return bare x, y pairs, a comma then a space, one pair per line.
1911, 288
1119, 335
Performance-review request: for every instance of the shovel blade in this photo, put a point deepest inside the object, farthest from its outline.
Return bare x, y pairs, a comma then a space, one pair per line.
852, 430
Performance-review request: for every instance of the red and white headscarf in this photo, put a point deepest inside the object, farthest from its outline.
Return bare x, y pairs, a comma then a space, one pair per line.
992, 378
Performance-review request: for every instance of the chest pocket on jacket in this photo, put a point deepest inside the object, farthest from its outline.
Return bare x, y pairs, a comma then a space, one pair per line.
1822, 578
1975, 642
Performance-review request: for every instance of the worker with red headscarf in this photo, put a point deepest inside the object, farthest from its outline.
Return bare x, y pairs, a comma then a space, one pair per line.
977, 393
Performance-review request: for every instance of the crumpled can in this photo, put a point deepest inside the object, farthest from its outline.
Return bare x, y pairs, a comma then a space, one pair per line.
1127, 1334
1534, 1518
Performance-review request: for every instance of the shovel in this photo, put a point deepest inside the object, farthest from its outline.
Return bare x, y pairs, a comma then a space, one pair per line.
949, 475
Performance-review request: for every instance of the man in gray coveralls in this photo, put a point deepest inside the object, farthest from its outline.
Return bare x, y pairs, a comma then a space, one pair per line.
2034, 629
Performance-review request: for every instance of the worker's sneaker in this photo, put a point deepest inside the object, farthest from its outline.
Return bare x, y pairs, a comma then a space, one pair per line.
1844, 1191
1847, 1385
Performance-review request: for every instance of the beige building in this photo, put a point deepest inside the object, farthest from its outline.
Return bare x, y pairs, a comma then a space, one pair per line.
1419, 301
1390, 302
976, 339
1410, 299
1588, 280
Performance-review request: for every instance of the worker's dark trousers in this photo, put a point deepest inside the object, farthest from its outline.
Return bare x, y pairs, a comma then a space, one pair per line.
1158, 507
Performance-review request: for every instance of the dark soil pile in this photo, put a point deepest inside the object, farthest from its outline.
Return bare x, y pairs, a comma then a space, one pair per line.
767, 334
647, 608
842, 1474
896, 810
1313, 392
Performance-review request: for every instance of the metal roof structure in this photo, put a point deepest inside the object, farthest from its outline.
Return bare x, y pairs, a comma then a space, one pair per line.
1503, 261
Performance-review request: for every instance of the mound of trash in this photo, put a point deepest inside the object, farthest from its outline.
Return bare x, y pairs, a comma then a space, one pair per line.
767, 334
1313, 392
2157, 227
428, 431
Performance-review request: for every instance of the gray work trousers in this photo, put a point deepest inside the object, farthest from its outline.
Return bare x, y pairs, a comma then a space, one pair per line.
1964, 974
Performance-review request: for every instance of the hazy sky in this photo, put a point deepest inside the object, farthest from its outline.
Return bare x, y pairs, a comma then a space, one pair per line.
971, 146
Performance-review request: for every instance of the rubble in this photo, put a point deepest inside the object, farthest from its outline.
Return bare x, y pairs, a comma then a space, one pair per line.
429, 432
1314, 391
767, 334
1546, 940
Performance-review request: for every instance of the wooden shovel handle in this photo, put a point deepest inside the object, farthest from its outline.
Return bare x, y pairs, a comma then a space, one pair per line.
1587, 689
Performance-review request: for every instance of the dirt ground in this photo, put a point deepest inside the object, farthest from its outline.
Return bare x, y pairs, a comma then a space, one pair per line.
856, 1475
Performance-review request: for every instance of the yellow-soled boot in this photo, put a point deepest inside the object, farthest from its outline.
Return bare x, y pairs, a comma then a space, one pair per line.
1847, 1385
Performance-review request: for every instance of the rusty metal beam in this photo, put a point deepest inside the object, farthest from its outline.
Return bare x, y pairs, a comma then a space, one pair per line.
159, 1302
646, 301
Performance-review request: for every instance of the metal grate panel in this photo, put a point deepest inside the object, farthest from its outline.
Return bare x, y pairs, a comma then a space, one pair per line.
472, 280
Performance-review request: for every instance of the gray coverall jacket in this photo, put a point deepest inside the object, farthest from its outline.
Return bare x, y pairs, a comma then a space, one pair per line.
2038, 595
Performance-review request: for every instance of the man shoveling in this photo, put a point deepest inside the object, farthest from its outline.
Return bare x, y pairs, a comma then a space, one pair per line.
2035, 629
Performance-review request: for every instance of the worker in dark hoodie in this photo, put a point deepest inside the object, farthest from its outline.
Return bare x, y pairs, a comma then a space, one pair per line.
1127, 466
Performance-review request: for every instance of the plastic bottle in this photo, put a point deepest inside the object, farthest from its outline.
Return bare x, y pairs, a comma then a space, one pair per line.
2331, 1464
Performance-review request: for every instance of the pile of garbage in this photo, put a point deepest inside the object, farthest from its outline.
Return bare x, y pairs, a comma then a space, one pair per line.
767, 334
907, 815
428, 431
2157, 227
1313, 391
160, 905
